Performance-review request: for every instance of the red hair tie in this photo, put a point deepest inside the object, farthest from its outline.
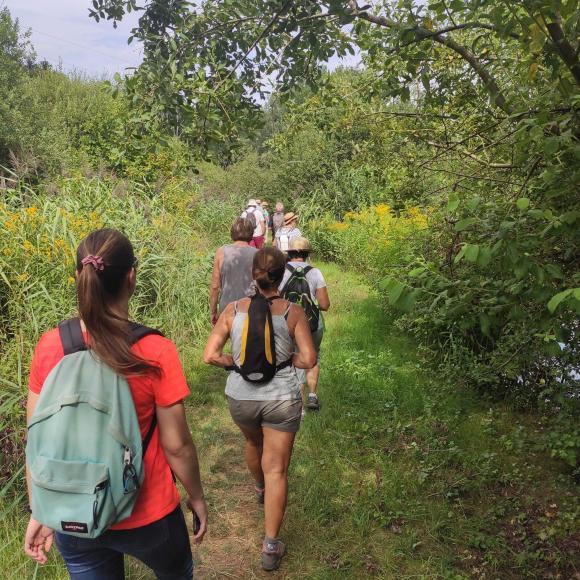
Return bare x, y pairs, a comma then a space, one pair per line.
95, 261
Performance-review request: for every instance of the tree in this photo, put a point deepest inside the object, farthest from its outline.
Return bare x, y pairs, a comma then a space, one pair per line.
15, 52
208, 65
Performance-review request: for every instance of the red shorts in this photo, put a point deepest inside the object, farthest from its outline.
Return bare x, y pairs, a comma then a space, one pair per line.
258, 242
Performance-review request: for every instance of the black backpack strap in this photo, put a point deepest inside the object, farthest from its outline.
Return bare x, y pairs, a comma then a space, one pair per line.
71, 336
138, 331
290, 268
149, 434
306, 269
286, 363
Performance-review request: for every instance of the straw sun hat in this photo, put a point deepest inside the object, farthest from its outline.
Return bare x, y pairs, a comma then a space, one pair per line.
289, 218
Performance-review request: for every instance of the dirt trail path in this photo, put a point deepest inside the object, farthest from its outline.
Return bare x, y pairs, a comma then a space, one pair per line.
231, 549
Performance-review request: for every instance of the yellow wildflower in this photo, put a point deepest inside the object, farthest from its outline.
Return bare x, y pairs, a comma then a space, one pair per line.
383, 209
338, 226
28, 247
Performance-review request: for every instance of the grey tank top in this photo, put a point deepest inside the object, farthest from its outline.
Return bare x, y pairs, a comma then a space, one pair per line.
236, 274
284, 386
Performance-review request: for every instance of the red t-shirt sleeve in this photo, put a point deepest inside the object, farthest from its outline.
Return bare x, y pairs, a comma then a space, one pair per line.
47, 353
172, 386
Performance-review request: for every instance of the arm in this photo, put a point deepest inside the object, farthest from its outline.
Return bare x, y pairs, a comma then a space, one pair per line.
213, 353
215, 288
305, 358
38, 539
322, 298
182, 458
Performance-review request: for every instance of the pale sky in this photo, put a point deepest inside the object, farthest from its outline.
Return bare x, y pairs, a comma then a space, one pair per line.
64, 35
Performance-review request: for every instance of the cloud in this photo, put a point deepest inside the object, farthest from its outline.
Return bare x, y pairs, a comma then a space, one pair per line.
63, 34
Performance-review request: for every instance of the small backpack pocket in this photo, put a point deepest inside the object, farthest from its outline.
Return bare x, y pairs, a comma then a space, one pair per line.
81, 491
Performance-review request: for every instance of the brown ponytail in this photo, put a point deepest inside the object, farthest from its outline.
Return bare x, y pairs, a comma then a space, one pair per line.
268, 268
104, 259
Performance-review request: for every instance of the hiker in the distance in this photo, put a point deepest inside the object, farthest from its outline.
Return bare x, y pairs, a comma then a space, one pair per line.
232, 268
288, 231
276, 220
100, 471
305, 285
264, 205
254, 213
262, 389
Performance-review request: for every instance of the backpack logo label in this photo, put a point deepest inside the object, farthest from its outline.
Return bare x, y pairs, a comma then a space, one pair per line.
77, 527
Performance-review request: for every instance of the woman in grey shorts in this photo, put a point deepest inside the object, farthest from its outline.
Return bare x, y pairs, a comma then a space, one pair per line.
267, 414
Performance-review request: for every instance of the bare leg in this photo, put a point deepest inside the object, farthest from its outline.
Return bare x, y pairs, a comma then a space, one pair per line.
253, 453
312, 379
276, 455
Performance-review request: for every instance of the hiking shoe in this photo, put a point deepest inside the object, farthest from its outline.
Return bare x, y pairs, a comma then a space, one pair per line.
259, 494
272, 554
313, 403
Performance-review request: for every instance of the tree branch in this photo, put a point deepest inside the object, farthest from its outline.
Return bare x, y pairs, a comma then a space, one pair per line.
422, 33
564, 48
473, 156
262, 34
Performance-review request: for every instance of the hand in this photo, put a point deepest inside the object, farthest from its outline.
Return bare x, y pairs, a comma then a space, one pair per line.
199, 507
214, 318
37, 541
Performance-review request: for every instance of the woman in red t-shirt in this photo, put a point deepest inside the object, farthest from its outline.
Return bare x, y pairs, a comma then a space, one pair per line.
155, 532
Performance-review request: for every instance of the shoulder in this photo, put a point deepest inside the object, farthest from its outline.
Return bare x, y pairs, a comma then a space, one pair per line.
49, 344
153, 346
317, 275
295, 313
47, 354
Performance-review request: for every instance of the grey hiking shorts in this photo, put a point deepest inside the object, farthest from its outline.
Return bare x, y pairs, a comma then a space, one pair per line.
279, 415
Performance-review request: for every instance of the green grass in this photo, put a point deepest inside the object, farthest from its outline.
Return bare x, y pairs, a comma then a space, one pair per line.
398, 476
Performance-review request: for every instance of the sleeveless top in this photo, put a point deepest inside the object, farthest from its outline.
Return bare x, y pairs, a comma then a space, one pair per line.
236, 273
284, 235
284, 386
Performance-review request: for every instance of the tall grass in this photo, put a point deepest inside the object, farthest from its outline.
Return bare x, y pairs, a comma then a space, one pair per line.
39, 232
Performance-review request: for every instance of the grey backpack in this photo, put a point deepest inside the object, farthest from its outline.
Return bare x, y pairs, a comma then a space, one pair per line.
84, 448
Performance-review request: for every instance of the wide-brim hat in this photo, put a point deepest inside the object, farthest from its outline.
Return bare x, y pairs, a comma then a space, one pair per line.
252, 202
290, 217
299, 244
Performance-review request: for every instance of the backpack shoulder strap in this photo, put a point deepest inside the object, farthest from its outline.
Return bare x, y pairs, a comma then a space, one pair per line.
138, 331
307, 269
290, 268
149, 434
71, 336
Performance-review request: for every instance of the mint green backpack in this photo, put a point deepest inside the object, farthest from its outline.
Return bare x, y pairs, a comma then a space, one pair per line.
84, 448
